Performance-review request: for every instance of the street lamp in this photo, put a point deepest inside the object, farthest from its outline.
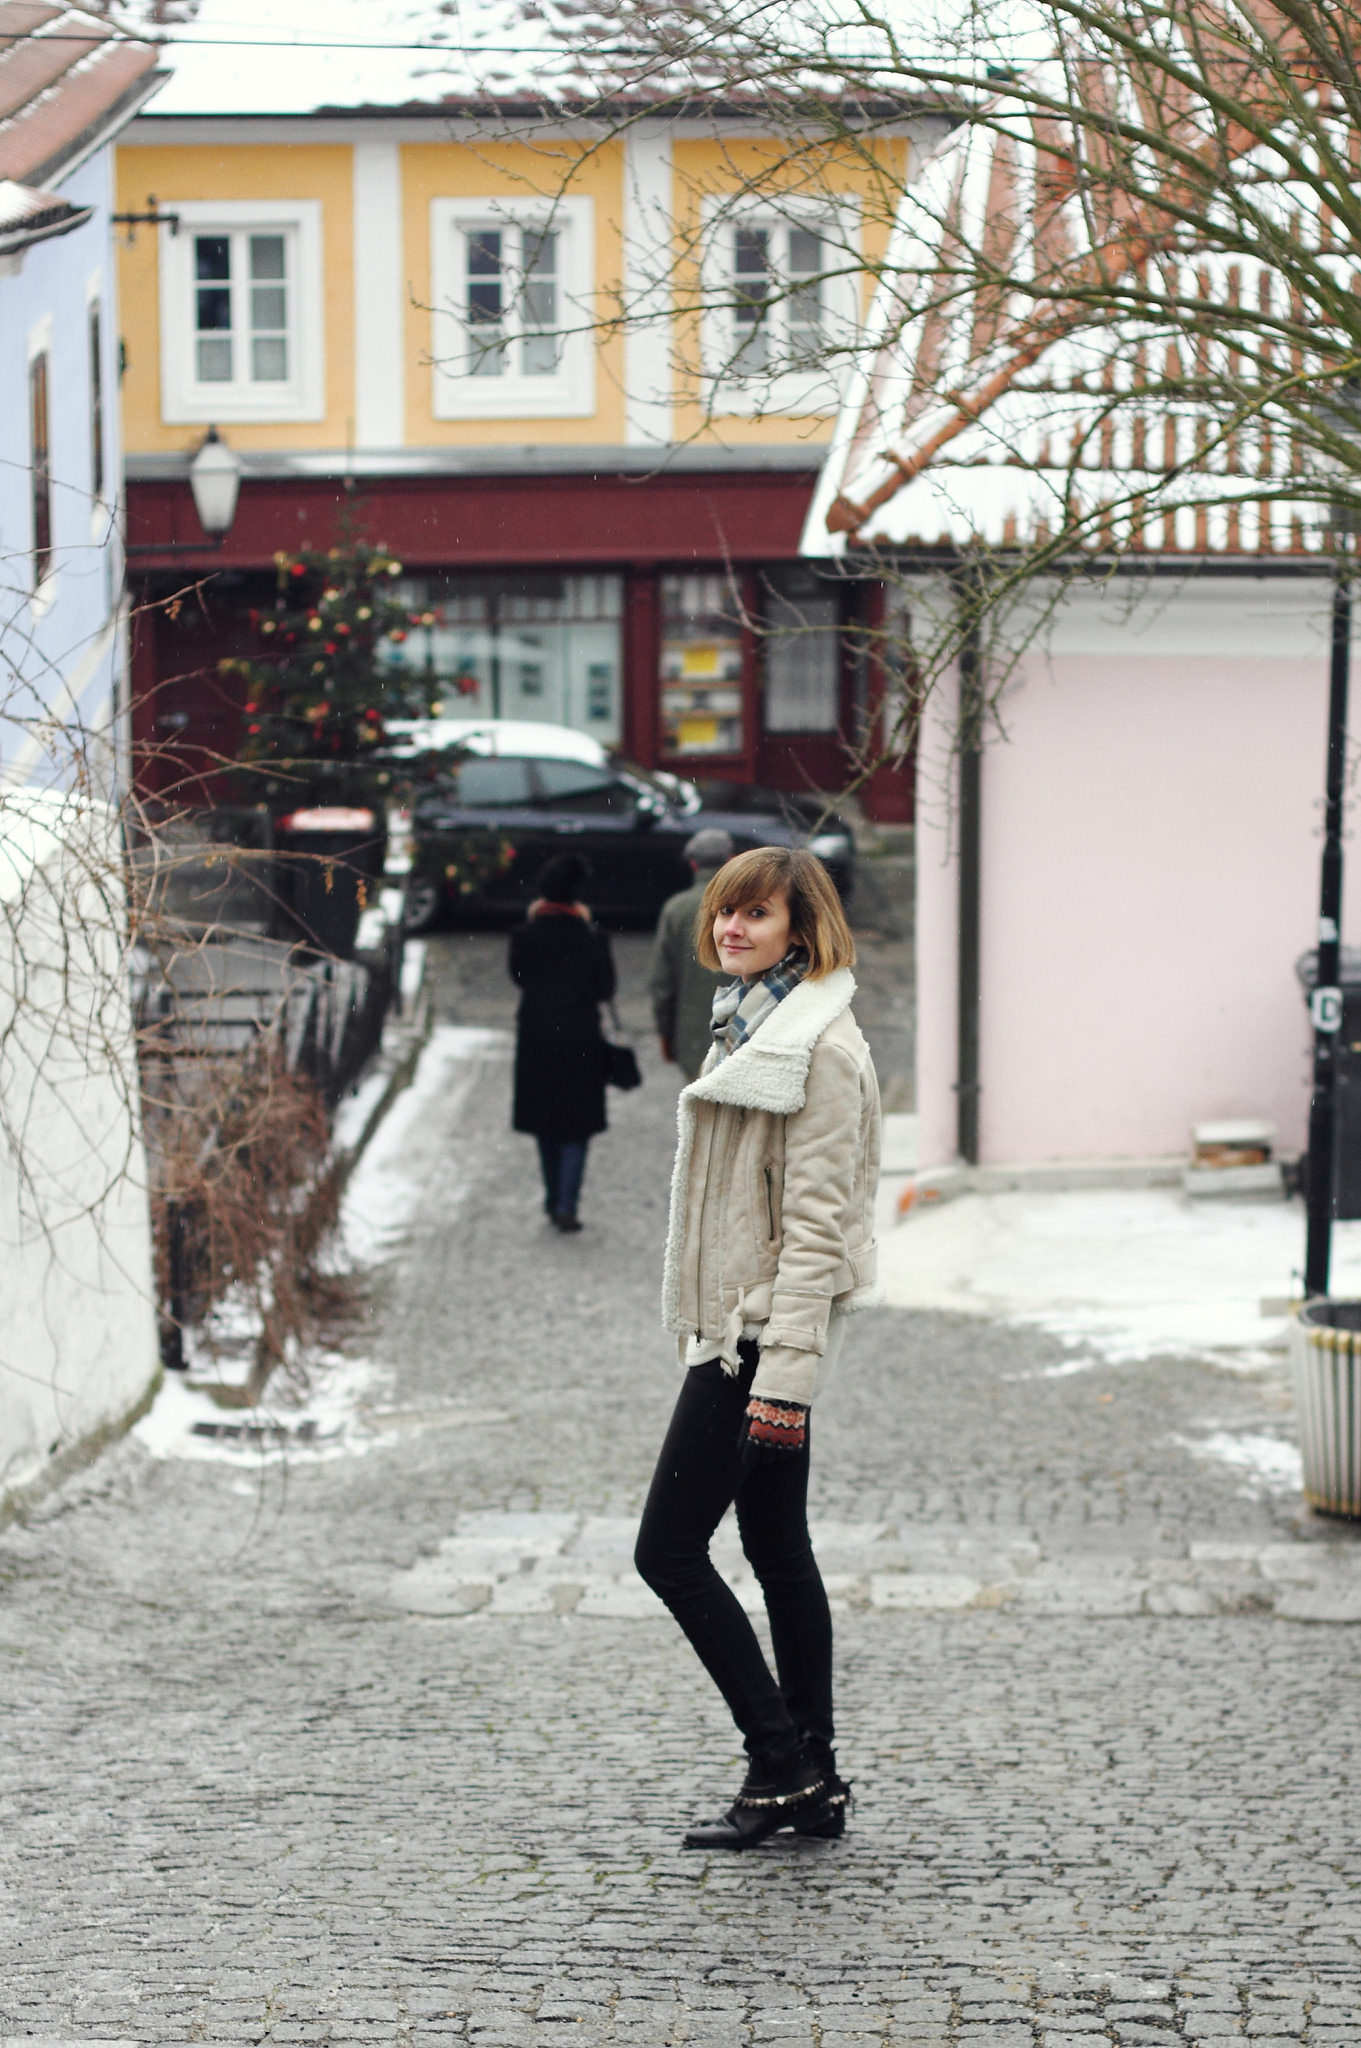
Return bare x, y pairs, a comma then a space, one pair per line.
215, 479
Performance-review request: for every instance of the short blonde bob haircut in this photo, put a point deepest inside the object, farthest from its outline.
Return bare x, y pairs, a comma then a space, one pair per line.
816, 920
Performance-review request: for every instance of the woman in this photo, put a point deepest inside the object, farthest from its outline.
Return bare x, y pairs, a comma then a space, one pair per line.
563, 965
771, 1245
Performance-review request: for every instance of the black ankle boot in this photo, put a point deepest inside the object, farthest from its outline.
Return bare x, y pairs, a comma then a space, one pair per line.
824, 1818
769, 1800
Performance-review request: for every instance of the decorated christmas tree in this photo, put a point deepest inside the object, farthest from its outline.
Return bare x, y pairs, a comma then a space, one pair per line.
318, 691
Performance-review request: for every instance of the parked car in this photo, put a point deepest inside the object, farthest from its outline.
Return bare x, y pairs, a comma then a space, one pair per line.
492, 799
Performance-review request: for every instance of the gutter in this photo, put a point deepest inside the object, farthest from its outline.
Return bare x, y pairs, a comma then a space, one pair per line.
1100, 568
20, 236
608, 461
970, 741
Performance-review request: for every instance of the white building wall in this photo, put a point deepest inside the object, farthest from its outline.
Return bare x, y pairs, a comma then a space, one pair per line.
381, 296
78, 1347
649, 204
1150, 849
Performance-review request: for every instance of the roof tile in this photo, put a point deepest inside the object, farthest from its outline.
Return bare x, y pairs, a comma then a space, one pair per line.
29, 66
39, 137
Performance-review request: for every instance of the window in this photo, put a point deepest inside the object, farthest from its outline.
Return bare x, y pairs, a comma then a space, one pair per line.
782, 299
493, 784
576, 786
511, 329
802, 660
40, 465
95, 335
240, 312
511, 306
241, 295
777, 302
535, 645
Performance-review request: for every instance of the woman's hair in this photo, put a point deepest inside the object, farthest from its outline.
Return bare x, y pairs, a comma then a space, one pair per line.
560, 880
816, 920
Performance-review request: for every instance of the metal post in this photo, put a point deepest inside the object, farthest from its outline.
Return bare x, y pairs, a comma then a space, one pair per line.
967, 1082
1326, 1003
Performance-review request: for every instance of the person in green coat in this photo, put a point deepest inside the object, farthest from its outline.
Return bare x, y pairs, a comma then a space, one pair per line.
682, 991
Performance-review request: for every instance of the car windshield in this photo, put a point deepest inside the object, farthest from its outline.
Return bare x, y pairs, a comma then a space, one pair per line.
482, 782
489, 781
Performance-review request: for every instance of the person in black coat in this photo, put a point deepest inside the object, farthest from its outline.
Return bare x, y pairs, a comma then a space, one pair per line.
565, 970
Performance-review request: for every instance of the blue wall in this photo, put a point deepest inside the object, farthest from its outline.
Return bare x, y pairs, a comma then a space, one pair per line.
61, 655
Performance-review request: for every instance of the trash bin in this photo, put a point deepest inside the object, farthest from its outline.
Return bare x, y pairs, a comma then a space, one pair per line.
1325, 1357
1347, 1125
333, 867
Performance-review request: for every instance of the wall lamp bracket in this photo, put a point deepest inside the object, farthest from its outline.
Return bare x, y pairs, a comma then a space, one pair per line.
215, 480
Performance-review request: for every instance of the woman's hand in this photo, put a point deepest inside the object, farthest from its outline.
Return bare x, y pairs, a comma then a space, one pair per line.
772, 1429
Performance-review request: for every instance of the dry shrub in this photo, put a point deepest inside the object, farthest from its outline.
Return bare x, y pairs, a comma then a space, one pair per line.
245, 1195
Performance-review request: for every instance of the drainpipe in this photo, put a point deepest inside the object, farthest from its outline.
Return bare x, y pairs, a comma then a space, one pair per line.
1326, 1004
970, 848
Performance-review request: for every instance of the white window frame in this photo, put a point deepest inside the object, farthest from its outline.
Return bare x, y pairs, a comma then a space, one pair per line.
183, 398
776, 390
43, 594
101, 502
567, 393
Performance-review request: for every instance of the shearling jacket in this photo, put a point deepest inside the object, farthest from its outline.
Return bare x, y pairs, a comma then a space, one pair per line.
772, 1197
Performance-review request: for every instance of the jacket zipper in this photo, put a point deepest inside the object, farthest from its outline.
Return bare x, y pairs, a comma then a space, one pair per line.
715, 1130
703, 1205
770, 1200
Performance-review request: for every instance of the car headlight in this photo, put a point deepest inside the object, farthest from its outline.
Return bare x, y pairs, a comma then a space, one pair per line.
830, 845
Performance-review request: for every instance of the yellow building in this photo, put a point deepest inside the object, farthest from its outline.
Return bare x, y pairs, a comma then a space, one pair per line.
576, 374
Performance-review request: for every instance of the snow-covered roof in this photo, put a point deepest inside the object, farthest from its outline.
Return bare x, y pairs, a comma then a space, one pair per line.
67, 78
240, 57
982, 412
28, 216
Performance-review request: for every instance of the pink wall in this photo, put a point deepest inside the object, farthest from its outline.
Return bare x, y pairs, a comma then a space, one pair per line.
1151, 842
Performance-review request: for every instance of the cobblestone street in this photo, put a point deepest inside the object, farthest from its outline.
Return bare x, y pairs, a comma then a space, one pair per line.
389, 1746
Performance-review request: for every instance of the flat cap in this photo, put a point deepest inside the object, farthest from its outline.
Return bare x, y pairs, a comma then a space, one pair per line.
709, 848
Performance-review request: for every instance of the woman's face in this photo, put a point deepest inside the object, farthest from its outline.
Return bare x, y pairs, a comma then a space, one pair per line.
754, 939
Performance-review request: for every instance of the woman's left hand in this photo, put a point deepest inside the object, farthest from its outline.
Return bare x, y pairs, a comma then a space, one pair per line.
771, 1429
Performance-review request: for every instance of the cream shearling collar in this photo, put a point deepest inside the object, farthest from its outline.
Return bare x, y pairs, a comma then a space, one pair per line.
771, 1070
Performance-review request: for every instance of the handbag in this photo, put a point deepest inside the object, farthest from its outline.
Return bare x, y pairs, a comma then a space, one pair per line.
621, 1061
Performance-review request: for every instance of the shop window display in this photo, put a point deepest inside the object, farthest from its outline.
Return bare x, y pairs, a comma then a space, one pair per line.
701, 667
544, 647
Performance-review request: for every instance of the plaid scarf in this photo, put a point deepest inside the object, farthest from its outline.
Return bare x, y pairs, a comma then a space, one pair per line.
742, 1007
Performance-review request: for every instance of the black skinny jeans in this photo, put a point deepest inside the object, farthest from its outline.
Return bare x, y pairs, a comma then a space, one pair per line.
700, 1473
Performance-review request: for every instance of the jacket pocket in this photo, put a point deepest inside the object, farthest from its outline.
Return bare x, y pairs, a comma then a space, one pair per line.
768, 1176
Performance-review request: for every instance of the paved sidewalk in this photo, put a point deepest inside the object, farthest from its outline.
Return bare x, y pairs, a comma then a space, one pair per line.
377, 1741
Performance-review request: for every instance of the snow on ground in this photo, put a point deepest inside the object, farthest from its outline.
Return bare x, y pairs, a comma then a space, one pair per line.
1119, 1274
323, 1411
1265, 1461
410, 1148
292, 1422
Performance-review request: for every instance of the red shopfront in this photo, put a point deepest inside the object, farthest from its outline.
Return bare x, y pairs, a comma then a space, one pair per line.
667, 612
